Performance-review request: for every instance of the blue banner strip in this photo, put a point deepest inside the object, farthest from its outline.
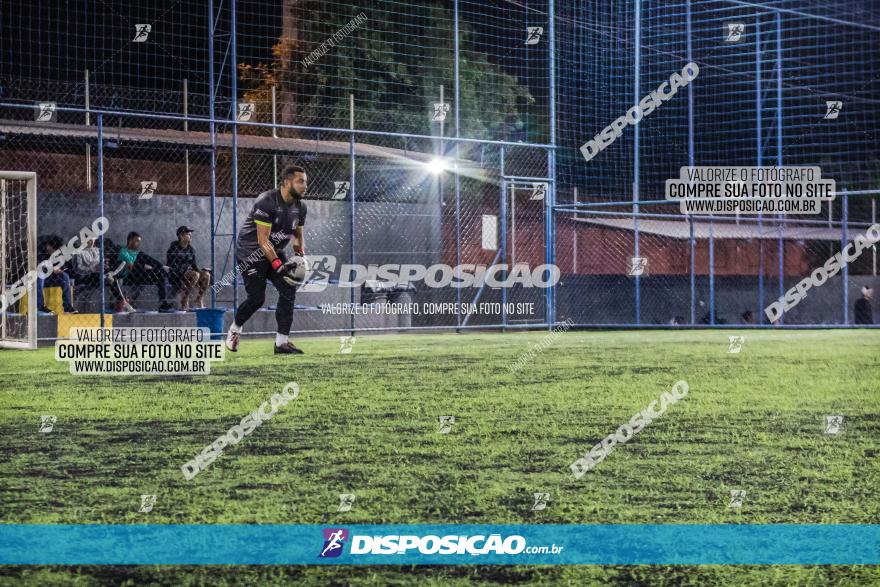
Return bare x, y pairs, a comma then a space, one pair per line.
454, 544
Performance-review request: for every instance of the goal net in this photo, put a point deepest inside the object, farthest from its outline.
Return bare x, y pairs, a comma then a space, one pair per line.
18, 258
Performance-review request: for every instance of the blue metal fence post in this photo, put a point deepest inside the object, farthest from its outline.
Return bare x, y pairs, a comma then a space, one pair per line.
233, 65
213, 131
844, 239
691, 239
457, 89
352, 206
693, 246
635, 186
550, 237
550, 196
503, 239
781, 253
101, 210
711, 273
759, 146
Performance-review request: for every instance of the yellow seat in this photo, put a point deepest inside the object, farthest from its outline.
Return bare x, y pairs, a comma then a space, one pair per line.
53, 301
68, 321
51, 297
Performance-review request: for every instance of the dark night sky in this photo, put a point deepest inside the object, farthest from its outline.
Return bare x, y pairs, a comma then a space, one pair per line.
55, 40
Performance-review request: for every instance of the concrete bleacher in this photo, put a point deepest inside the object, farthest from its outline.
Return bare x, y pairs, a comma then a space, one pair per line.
307, 317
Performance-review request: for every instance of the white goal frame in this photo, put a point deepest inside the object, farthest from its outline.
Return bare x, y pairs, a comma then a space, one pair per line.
31, 178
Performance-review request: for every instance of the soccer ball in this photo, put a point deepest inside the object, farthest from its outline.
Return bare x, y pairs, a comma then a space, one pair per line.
296, 269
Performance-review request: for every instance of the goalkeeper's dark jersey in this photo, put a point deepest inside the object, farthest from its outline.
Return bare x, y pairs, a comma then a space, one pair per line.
270, 210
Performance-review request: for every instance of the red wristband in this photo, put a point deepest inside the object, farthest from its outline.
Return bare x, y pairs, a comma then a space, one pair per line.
276, 263
300, 251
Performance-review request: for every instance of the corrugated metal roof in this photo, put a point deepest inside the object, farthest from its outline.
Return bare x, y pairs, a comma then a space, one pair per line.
680, 229
170, 136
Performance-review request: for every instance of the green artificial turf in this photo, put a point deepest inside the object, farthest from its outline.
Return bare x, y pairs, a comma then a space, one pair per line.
367, 423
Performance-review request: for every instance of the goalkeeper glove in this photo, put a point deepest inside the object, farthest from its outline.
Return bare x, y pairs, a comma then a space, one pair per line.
293, 272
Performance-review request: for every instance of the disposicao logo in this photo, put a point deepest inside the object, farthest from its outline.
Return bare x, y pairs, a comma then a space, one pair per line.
334, 540
432, 544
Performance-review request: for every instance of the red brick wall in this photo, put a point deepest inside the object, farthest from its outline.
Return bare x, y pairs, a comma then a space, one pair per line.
607, 251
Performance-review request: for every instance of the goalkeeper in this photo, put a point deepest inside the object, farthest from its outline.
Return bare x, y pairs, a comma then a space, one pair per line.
277, 216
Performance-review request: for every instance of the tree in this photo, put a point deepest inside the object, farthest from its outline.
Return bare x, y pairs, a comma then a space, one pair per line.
394, 64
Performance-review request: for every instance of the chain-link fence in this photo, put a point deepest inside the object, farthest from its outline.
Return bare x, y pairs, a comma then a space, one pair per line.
656, 269
780, 84
186, 121
375, 201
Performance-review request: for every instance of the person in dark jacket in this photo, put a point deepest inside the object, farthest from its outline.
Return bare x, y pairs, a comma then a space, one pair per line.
58, 277
142, 269
863, 312
185, 272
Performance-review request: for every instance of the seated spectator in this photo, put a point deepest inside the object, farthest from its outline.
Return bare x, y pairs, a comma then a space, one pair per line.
86, 271
185, 272
142, 269
747, 317
58, 277
86, 267
863, 312
707, 319
113, 269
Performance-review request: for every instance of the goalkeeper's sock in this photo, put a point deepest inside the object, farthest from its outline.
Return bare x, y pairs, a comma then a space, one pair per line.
280, 339
235, 328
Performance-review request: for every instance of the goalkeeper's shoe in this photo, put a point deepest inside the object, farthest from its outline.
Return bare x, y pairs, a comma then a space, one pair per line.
287, 349
232, 341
